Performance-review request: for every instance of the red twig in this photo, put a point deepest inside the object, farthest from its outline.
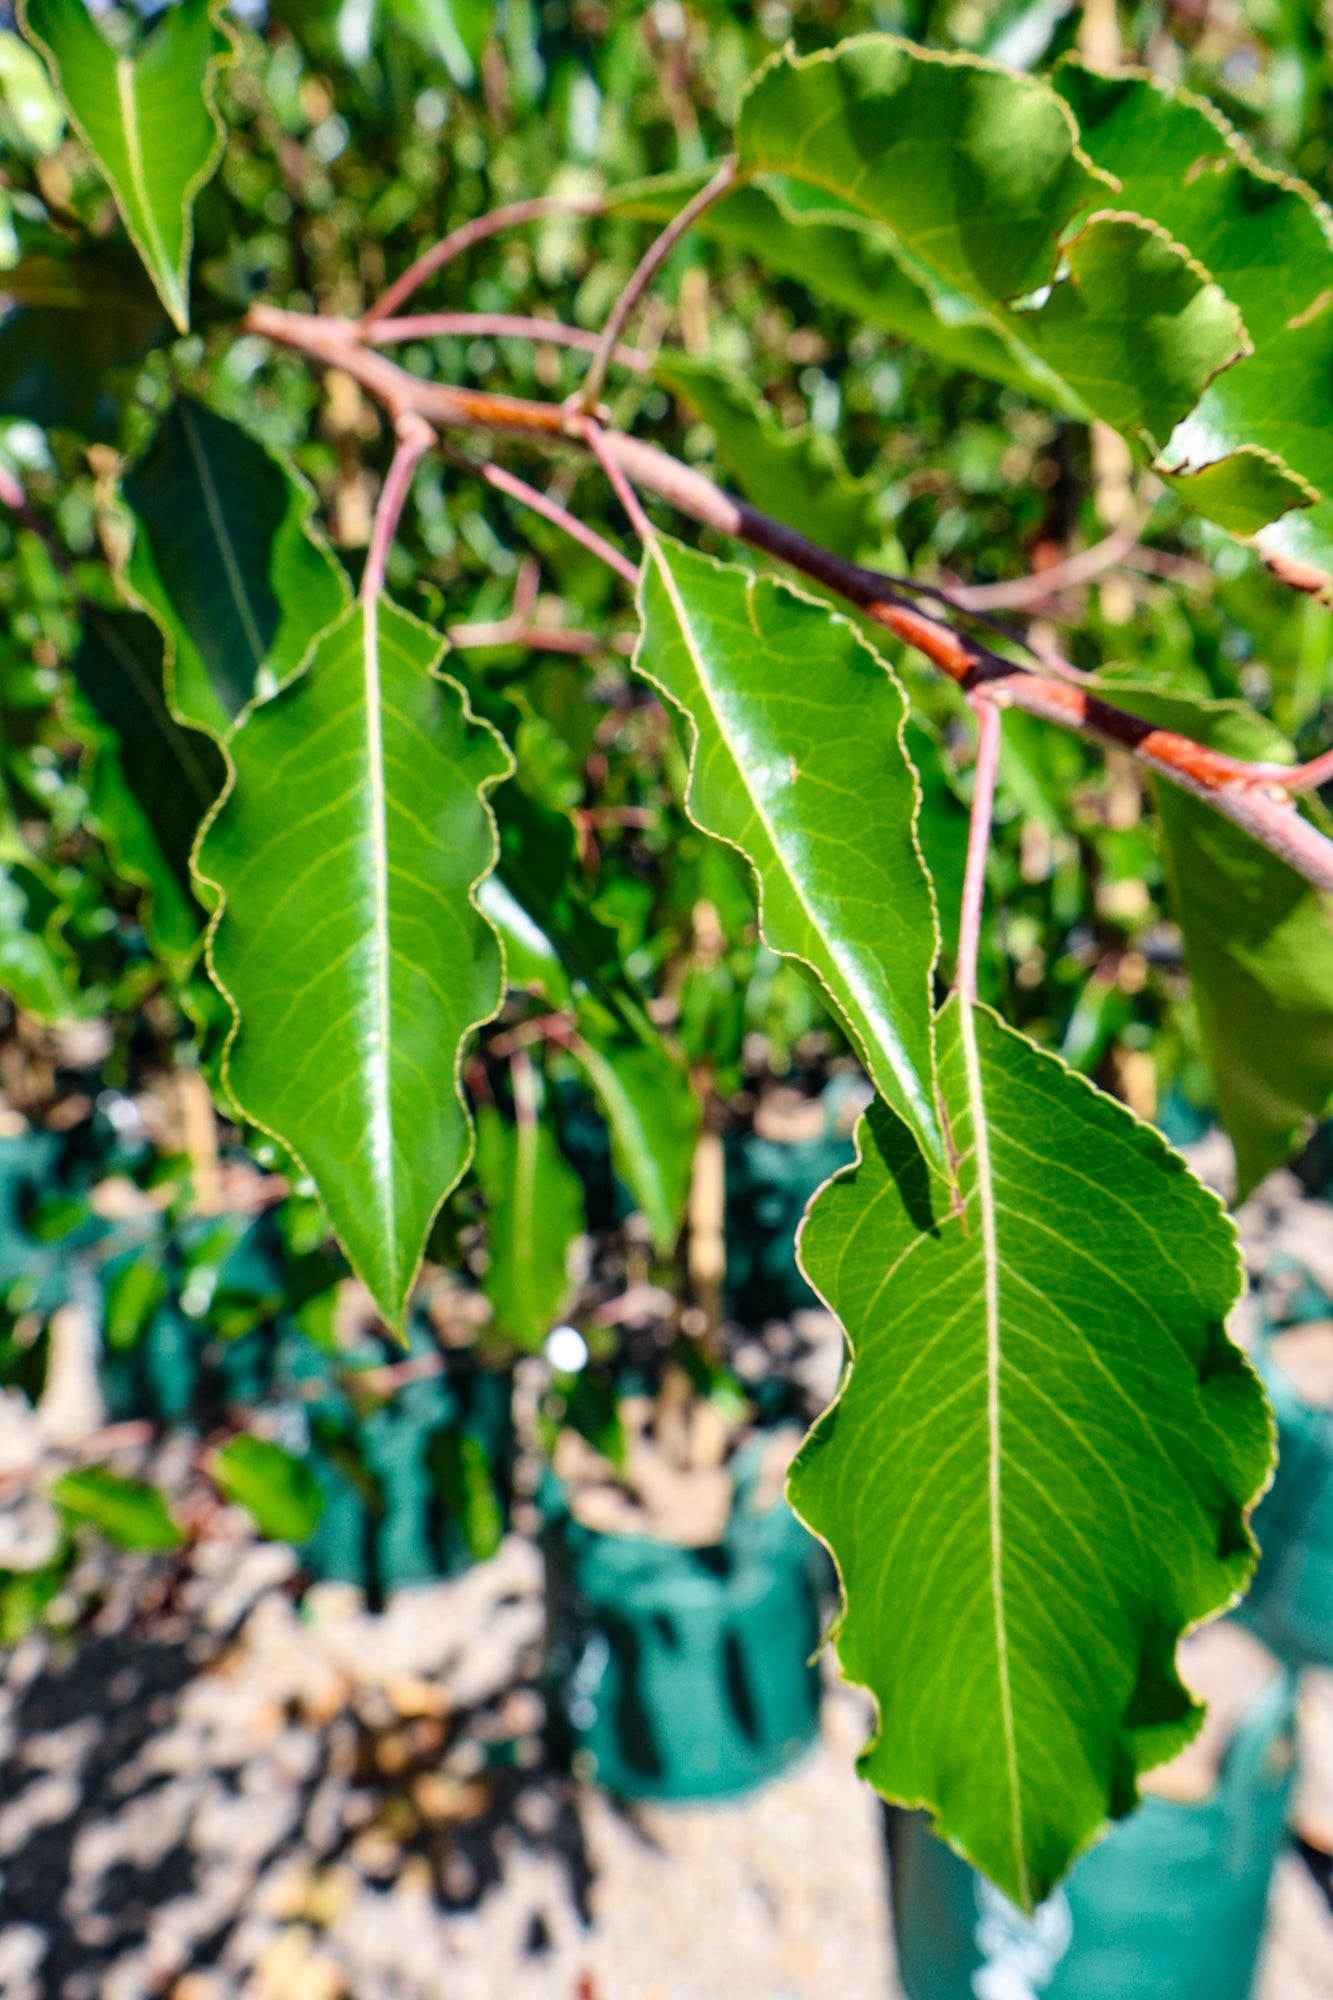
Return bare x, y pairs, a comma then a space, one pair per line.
551, 510
460, 240
646, 270
499, 326
595, 439
538, 638
415, 438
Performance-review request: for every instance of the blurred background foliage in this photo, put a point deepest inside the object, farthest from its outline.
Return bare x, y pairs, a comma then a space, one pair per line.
359, 133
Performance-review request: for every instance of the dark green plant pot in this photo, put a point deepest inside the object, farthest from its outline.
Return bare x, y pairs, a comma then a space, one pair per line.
1290, 1602
683, 1674
416, 1486
1169, 1906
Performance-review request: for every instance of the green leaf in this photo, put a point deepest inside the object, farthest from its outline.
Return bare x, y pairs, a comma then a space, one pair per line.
1136, 329
799, 476
977, 172
349, 943
797, 761
152, 780
1258, 944
149, 119
974, 168
131, 1515
535, 1203
72, 321
1034, 1479
28, 96
279, 1493
531, 960
653, 1116
1243, 491
226, 561
1261, 237
37, 968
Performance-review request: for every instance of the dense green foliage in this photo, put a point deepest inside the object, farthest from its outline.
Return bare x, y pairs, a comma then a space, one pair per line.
423, 885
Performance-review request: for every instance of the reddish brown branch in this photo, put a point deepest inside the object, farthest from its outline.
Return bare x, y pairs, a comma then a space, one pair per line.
499, 326
1254, 796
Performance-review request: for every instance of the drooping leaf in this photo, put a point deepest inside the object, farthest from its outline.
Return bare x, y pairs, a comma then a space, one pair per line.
128, 1513
531, 960
148, 118
152, 780
1262, 238
534, 1203
226, 561
1053, 1443
1258, 944
71, 320
653, 1117
349, 942
799, 476
797, 761
279, 1493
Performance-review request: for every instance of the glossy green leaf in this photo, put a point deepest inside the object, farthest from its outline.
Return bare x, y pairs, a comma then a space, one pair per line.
347, 853
1034, 1479
148, 118
152, 780
653, 1117
531, 960
128, 1513
799, 476
797, 761
534, 1203
1258, 945
1261, 237
225, 559
279, 1493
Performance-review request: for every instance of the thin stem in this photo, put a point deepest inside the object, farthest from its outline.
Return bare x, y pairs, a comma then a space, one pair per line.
978, 845
1022, 591
595, 439
462, 239
415, 438
499, 326
649, 265
551, 510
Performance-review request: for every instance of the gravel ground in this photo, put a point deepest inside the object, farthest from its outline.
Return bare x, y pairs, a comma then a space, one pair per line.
230, 1796
220, 1792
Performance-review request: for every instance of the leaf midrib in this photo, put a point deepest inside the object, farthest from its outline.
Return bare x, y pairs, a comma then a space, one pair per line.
129, 114
739, 763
